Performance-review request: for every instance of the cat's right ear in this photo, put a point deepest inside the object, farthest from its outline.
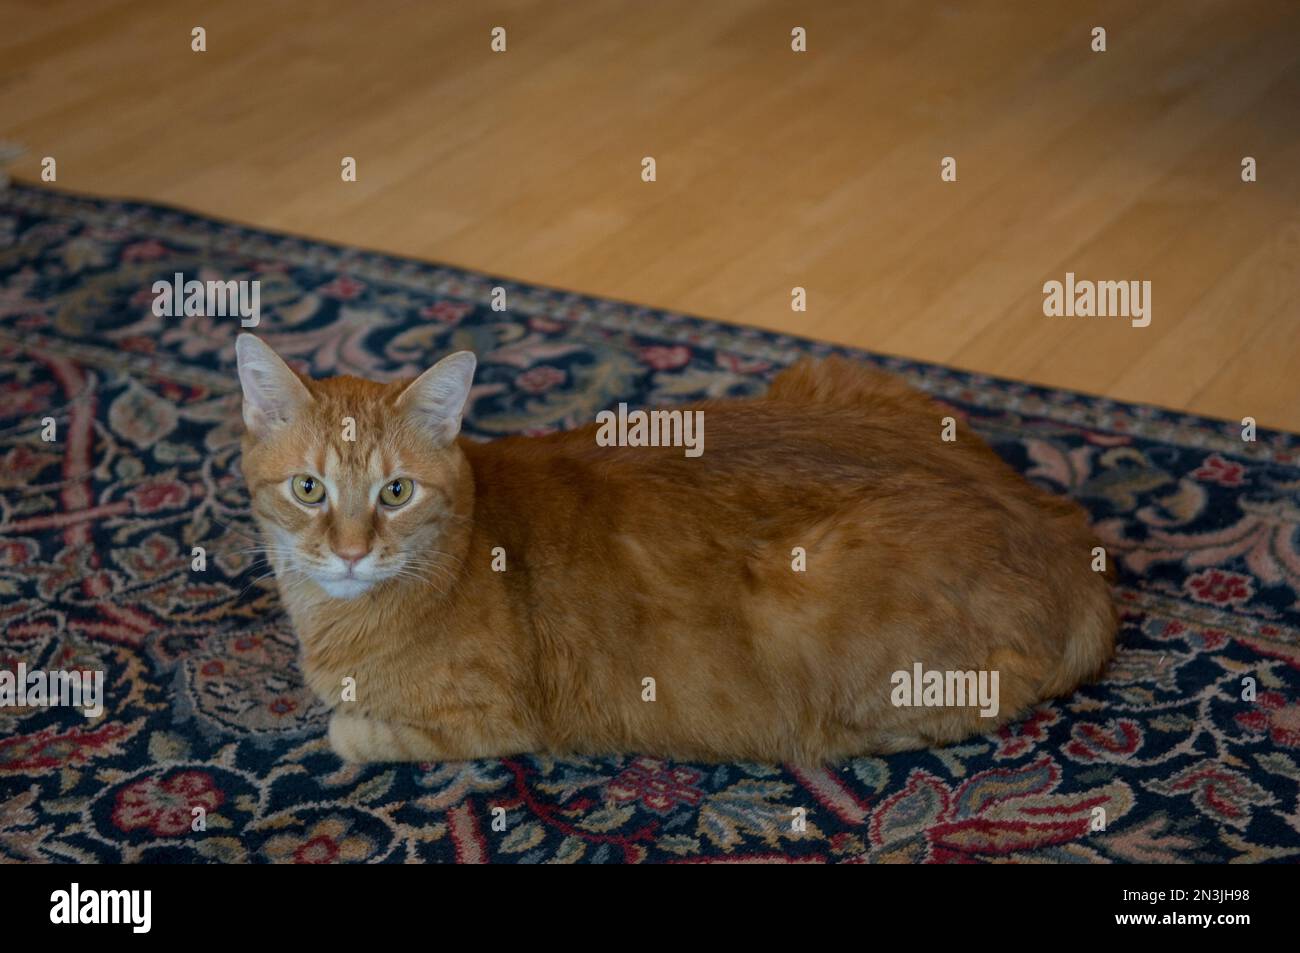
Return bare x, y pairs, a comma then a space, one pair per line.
437, 397
273, 393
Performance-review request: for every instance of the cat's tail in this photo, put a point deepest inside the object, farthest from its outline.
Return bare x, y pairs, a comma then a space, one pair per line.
839, 382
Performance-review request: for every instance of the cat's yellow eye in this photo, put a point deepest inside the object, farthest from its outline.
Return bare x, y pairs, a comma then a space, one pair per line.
396, 492
307, 489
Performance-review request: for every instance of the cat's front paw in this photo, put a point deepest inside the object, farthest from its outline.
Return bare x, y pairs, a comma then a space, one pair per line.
360, 739
351, 737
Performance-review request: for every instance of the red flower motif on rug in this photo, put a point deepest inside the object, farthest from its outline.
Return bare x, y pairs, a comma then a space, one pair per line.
1216, 469
657, 785
166, 807
1275, 715
1219, 587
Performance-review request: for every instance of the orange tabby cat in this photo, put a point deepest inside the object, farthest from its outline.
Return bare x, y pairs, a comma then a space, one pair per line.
761, 601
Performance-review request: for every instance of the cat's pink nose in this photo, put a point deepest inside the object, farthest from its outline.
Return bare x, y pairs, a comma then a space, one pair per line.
351, 554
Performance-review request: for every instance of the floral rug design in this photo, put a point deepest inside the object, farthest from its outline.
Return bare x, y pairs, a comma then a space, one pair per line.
1188, 750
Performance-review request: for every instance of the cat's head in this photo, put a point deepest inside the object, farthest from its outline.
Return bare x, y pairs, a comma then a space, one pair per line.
353, 482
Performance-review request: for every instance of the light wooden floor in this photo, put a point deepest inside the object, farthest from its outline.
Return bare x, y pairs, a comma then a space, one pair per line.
775, 169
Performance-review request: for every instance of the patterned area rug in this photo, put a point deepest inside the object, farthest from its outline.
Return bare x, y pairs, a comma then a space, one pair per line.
204, 705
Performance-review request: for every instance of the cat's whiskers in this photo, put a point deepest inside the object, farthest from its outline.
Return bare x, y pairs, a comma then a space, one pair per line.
232, 529
422, 567
431, 574
268, 553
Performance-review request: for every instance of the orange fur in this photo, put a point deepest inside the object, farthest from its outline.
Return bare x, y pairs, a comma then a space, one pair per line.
630, 563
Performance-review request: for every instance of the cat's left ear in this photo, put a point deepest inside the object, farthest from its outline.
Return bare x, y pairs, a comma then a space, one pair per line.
437, 397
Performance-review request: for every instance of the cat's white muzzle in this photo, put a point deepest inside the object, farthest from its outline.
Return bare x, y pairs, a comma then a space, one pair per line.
347, 587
